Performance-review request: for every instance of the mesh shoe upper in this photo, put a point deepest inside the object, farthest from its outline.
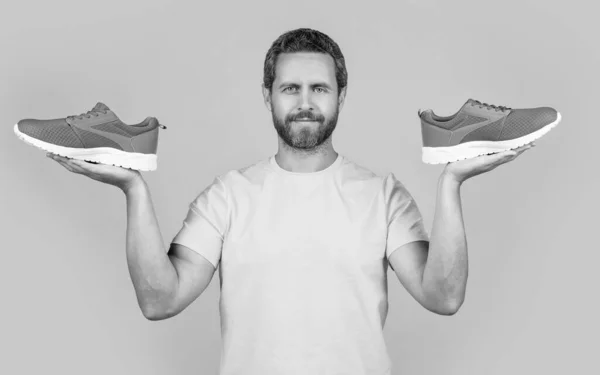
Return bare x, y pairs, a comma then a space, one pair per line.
99, 127
477, 121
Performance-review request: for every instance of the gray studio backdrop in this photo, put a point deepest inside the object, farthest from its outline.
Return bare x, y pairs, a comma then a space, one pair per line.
68, 304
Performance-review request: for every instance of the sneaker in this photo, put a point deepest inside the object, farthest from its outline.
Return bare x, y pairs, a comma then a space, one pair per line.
96, 136
480, 128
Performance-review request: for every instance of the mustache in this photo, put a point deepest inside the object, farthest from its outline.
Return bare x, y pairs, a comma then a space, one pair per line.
306, 116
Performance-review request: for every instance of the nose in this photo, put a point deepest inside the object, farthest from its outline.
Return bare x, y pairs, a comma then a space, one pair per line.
305, 101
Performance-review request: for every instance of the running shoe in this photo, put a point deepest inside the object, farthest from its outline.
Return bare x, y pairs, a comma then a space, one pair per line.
96, 136
480, 128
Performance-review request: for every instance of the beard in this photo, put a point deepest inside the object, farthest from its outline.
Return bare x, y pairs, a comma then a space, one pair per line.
306, 136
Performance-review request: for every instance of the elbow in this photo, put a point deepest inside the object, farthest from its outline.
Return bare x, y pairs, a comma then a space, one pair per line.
451, 308
154, 314
160, 307
447, 312
442, 305
153, 317
441, 309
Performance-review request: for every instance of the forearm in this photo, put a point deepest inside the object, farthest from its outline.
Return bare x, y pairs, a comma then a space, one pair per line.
153, 275
446, 270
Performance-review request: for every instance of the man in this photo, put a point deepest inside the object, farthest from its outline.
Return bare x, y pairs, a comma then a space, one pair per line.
303, 238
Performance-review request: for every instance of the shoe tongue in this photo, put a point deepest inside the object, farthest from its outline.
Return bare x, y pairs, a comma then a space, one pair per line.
469, 101
100, 107
472, 101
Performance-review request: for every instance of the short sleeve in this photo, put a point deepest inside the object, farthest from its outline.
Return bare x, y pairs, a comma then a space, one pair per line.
405, 223
204, 227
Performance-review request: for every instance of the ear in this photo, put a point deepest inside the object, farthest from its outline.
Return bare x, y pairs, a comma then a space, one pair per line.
267, 97
342, 97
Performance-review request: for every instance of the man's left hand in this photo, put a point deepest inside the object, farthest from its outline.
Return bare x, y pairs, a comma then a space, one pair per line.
462, 170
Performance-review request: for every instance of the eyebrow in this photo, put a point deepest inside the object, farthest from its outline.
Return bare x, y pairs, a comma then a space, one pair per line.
292, 84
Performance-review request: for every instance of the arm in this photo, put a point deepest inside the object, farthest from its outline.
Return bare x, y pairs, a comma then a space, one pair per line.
435, 273
165, 284
446, 269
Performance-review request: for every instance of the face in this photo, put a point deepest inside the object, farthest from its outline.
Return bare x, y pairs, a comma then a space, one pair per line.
304, 99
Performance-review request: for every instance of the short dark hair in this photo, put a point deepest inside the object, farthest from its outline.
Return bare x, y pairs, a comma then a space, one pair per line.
305, 40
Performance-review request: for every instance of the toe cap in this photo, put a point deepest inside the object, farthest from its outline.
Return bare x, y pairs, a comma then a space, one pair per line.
521, 122
57, 131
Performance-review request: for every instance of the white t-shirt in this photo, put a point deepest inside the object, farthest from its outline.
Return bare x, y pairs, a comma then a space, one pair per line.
303, 265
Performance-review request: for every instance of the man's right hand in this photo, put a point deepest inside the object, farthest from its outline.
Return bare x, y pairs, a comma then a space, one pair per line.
123, 178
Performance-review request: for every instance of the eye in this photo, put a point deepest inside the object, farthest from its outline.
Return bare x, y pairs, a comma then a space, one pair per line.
289, 87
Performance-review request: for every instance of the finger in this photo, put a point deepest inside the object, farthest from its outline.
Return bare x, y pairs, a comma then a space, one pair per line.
87, 166
65, 162
518, 151
496, 159
505, 156
80, 164
66, 165
527, 146
524, 148
76, 165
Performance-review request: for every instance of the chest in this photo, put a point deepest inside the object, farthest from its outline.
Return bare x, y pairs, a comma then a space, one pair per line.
331, 230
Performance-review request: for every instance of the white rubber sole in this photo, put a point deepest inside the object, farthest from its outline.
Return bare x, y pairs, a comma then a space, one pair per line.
468, 150
102, 155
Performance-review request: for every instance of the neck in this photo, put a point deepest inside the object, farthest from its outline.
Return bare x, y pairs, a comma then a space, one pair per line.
302, 162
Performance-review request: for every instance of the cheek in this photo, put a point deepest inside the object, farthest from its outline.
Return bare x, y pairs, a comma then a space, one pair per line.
281, 107
327, 103
328, 108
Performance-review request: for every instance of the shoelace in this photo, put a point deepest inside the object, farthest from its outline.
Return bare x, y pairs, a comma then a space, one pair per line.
88, 114
96, 113
491, 106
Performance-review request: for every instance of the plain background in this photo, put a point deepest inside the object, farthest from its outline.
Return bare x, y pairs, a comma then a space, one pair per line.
68, 304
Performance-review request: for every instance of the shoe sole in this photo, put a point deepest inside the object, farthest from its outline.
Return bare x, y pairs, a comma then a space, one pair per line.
468, 150
102, 155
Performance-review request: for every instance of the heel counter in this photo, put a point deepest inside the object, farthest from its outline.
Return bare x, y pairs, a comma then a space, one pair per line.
152, 122
434, 136
146, 143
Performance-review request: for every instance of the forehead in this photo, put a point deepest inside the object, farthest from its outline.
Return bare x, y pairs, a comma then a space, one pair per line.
305, 66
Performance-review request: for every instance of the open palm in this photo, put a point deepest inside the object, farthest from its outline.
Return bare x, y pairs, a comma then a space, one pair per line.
120, 177
462, 170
